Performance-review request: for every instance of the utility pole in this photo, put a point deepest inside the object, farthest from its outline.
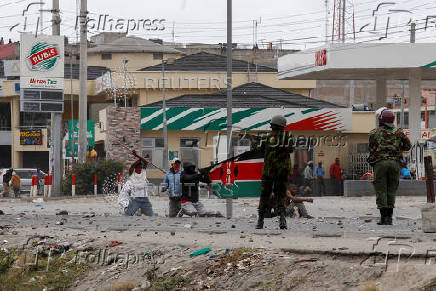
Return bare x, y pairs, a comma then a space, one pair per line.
343, 20
229, 201
402, 106
56, 118
41, 14
83, 98
412, 32
326, 21
125, 61
164, 113
412, 40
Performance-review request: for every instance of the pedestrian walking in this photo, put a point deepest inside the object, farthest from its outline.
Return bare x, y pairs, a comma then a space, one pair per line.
276, 147
16, 184
319, 174
6, 179
172, 184
336, 177
308, 176
133, 195
386, 144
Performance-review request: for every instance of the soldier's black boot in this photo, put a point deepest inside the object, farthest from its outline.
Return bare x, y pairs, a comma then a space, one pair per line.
382, 216
389, 213
259, 224
283, 224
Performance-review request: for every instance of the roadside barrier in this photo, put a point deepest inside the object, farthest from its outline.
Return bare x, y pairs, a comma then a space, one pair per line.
45, 185
95, 184
119, 183
50, 185
34, 187
73, 185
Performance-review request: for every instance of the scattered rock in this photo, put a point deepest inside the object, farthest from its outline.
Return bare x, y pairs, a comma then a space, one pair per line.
243, 236
368, 220
59, 223
62, 212
173, 233
14, 232
1, 212
146, 285
233, 226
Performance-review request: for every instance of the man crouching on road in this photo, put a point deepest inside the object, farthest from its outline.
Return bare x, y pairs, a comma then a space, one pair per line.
172, 184
134, 195
191, 205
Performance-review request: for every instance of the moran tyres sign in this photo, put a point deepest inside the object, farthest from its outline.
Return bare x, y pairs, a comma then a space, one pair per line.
42, 73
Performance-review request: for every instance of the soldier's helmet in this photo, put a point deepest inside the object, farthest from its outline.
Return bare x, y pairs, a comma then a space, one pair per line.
387, 116
278, 121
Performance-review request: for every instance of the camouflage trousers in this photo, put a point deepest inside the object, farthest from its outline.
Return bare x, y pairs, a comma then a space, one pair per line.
276, 185
386, 180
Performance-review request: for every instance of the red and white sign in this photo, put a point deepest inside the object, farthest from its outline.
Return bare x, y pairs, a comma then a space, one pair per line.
321, 58
425, 134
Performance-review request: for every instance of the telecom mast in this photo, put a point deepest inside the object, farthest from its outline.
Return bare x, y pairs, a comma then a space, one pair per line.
343, 27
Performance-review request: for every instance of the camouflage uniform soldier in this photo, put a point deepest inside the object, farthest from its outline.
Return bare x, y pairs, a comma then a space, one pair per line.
386, 144
276, 147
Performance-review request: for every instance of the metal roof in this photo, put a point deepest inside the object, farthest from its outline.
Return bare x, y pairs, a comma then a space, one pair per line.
93, 72
132, 44
246, 96
210, 63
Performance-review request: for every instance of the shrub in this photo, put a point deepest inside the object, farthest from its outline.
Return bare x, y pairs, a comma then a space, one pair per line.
105, 170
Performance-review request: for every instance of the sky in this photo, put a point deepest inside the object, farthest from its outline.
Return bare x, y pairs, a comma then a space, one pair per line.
296, 24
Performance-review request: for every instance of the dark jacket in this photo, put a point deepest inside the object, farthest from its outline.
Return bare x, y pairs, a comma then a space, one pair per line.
7, 176
190, 179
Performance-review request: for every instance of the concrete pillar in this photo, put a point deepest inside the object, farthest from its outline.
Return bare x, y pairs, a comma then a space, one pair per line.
380, 92
415, 104
17, 157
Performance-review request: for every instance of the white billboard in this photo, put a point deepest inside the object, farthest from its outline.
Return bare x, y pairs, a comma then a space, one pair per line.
41, 73
103, 83
41, 59
12, 68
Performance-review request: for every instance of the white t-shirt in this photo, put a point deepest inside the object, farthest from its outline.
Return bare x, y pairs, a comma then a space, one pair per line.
136, 186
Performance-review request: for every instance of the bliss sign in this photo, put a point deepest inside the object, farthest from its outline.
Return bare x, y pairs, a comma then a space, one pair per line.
321, 57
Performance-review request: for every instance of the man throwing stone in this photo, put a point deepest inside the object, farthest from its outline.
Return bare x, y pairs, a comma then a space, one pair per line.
386, 144
276, 147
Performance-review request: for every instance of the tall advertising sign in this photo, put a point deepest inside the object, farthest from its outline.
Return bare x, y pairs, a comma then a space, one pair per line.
42, 73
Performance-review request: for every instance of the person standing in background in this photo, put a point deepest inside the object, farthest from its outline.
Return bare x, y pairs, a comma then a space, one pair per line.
16, 184
336, 177
6, 179
319, 174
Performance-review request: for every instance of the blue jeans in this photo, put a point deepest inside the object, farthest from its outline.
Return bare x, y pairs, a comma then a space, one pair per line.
139, 202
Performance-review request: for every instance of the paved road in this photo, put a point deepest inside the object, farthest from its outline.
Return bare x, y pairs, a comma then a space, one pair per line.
335, 216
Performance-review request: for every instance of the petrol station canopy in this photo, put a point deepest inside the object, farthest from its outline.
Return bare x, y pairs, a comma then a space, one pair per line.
391, 61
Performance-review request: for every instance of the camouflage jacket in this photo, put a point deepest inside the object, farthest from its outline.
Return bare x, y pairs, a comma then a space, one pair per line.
276, 147
387, 143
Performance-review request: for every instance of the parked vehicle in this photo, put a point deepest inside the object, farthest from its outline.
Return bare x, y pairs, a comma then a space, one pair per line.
25, 178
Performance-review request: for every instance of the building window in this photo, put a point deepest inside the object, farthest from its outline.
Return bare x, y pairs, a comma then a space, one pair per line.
190, 150
362, 147
157, 56
106, 56
240, 145
154, 148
